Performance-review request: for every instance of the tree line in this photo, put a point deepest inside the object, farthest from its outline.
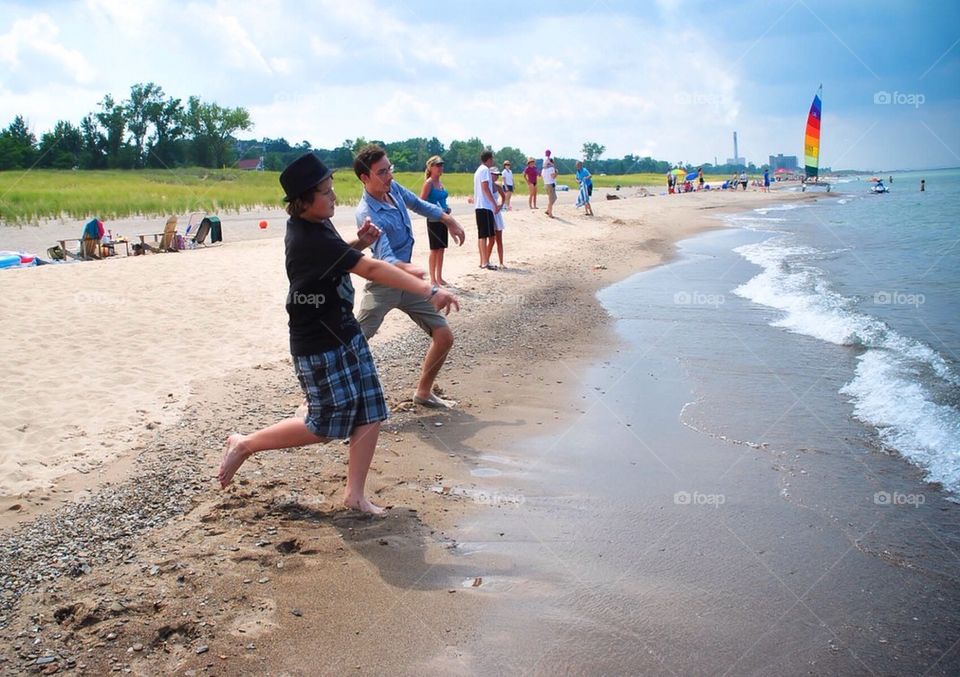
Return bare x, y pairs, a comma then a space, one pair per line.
150, 129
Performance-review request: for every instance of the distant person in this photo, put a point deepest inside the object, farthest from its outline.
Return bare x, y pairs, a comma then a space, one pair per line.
699, 178
485, 206
670, 183
330, 355
923, 185
499, 192
891, 179
743, 180
549, 173
531, 174
385, 202
507, 175
434, 192
766, 180
586, 189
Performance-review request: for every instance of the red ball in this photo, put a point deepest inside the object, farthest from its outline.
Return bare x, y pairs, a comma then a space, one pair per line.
263, 225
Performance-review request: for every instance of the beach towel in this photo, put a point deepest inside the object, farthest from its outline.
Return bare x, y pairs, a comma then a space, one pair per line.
93, 229
583, 197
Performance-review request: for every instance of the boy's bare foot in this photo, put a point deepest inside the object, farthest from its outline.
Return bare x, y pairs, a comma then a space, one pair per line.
234, 457
363, 505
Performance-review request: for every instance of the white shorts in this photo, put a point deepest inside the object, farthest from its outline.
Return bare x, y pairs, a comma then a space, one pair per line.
498, 221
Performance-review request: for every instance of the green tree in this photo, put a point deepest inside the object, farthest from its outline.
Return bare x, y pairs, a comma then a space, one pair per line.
138, 109
166, 116
211, 127
16, 145
62, 148
464, 156
113, 119
592, 151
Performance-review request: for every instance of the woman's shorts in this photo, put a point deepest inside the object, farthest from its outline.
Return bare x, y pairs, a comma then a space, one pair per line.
508, 187
342, 389
437, 234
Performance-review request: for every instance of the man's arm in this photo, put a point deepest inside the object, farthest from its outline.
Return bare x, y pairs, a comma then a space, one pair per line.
392, 276
421, 207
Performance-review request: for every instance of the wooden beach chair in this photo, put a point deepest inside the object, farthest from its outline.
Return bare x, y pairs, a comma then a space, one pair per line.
162, 242
89, 242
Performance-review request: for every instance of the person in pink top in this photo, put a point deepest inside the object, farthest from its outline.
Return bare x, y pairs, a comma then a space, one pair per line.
531, 174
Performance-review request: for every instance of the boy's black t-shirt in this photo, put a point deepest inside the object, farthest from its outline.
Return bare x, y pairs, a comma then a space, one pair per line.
320, 300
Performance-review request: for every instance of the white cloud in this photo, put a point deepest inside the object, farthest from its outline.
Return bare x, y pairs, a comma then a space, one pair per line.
37, 36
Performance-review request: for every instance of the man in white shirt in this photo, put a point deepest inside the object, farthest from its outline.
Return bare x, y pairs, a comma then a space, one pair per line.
485, 206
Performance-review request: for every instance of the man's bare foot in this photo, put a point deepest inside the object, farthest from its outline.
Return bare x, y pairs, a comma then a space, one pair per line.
234, 457
363, 505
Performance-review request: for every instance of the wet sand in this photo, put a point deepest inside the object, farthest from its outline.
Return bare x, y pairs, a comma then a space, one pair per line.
159, 572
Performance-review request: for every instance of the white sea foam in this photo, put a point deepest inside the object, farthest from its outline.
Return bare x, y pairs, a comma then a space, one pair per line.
887, 390
884, 395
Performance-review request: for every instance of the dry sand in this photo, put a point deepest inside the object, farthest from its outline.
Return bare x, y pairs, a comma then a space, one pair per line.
125, 376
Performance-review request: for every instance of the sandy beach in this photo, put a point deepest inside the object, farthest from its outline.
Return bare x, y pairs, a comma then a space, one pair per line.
125, 376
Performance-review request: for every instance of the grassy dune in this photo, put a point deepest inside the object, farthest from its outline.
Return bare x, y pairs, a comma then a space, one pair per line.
31, 196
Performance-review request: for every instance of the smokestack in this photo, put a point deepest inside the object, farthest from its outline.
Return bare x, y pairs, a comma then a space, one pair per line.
736, 155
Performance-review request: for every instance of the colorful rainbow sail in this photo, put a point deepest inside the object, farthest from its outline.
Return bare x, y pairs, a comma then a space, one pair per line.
811, 141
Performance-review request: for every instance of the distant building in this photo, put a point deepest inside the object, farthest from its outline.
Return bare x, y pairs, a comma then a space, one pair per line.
781, 161
254, 164
737, 161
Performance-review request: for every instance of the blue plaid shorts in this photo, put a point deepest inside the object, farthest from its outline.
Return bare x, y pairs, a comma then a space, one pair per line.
342, 388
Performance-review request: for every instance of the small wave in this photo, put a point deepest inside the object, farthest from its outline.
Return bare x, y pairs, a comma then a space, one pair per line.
776, 208
887, 389
908, 421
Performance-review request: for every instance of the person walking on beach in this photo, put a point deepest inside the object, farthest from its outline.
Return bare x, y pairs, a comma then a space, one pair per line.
507, 175
530, 173
586, 189
434, 192
385, 203
485, 206
330, 355
699, 178
766, 180
743, 180
550, 183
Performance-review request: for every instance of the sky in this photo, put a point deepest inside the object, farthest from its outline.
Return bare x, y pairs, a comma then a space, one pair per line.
671, 79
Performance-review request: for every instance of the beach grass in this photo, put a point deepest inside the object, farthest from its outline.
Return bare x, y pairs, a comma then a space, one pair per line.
36, 195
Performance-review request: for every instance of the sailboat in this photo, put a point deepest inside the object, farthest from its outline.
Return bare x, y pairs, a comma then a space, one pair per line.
811, 144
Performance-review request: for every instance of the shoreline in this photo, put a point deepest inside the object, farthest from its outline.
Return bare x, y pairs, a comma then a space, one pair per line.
495, 355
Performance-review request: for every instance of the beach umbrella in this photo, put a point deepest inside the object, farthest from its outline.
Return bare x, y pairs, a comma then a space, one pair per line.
679, 171
781, 171
691, 176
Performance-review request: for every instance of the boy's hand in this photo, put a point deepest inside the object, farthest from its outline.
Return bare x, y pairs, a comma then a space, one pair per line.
412, 270
368, 233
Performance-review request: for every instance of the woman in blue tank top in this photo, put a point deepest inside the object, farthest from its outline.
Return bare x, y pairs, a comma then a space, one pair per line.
433, 191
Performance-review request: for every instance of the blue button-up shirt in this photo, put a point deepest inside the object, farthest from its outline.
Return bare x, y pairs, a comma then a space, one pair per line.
396, 242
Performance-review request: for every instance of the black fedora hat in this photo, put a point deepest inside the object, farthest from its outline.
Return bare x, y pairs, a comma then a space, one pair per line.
301, 175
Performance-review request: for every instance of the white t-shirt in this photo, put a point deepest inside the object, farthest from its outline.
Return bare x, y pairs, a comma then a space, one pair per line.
507, 177
549, 174
480, 200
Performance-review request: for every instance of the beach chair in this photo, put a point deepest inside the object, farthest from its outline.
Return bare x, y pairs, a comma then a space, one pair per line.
162, 242
210, 225
89, 242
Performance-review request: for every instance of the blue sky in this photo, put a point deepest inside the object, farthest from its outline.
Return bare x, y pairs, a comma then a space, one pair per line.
672, 79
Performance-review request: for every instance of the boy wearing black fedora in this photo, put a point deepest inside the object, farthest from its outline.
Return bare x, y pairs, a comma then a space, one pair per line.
330, 355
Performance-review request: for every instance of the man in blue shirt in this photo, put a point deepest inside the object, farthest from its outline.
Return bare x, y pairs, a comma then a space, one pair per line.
385, 202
